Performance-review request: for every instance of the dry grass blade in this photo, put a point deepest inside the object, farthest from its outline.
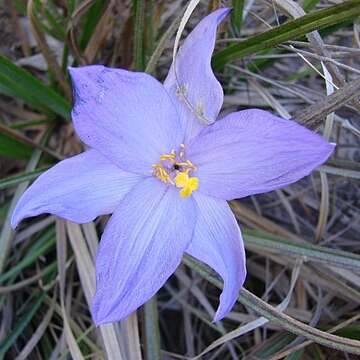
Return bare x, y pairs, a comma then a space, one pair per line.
23, 41
298, 327
129, 334
35, 338
265, 94
324, 202
316, 41
256, 323
324, 207
21, 284
46, 51
61, 256
101, 31
252, 219
87, 277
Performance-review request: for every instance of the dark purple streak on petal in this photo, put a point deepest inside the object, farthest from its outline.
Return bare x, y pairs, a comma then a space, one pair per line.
127, 116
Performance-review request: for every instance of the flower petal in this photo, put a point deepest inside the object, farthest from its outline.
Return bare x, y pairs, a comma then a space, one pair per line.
252, 151
127, 116
77, 189
218, 243
195, 76
141, 247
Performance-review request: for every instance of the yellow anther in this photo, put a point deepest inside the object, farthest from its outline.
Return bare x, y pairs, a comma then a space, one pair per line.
161, 174
185, 192
187, 184
193, 183
190, 164
175, 164
182, 179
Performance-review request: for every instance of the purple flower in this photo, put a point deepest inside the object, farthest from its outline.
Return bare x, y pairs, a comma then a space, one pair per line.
166, 175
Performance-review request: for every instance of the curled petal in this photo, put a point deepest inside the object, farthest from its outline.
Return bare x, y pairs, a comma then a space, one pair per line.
195, 76
77, 189
126, 116
141, 247
252, 151
218, 243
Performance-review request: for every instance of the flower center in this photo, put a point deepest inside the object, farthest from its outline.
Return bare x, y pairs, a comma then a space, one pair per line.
175, 169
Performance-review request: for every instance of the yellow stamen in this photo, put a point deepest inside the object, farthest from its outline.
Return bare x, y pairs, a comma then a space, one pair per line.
190, 164
193, 183
185, 192
181, 167
187, 184
161, 174
182, 179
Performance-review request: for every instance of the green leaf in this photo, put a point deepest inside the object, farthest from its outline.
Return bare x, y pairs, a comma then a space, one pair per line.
289, 31
11, 147
19, 83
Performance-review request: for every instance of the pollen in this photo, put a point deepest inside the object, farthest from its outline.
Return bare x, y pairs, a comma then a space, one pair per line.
175, 169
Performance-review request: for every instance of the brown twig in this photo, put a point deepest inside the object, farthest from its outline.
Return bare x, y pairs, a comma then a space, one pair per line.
313, 115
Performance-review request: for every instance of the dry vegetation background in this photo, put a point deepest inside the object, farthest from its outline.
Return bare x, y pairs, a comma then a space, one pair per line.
302, 241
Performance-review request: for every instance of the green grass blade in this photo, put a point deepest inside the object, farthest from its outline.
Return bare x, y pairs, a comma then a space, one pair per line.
309, 4
295, 355
92, 19
139, 48
153, 349
7, 234
43, 246
18, 179
21, 325
289, 31
237, 15
17, 82
311, 252
13, 148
